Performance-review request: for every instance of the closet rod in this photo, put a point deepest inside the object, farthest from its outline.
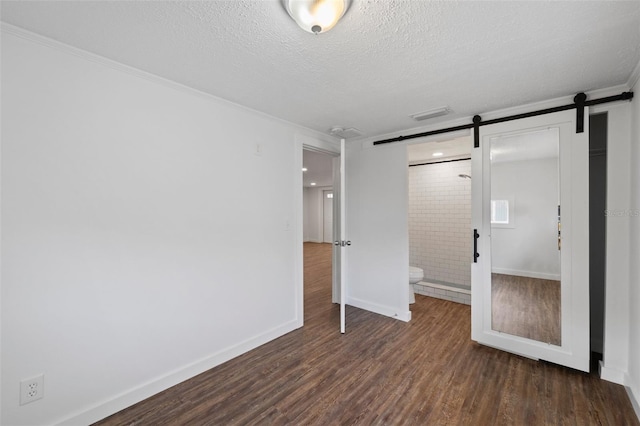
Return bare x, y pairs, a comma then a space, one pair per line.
579, 103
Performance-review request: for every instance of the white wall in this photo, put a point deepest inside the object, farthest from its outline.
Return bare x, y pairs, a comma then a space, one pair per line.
132, 211
311, 219
313, 214
530, 247
634, 293
617, 321
378, 259
440, 221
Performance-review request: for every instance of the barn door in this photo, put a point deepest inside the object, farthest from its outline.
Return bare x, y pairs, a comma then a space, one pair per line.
530, 215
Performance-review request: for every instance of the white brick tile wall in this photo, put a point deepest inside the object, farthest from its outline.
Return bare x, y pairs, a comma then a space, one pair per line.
440, 239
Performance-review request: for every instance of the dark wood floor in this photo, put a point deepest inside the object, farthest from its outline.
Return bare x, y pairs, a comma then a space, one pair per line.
526, 307
383, 371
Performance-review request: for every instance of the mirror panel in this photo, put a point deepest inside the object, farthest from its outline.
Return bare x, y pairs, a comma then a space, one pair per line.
525, 235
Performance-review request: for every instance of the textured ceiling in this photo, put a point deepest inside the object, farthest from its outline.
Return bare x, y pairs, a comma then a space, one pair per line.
385, 60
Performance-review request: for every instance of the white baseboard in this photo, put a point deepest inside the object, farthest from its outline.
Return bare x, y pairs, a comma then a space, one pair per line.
622, 378
132, 396
635, 400
380, 309
612, 375
313, 241
528, 274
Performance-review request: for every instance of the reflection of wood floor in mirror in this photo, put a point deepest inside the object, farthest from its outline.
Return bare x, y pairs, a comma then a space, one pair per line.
526, 307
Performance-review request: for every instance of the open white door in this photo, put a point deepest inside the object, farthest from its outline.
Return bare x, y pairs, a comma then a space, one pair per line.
340, 242
336, 252
343, 243
530, 214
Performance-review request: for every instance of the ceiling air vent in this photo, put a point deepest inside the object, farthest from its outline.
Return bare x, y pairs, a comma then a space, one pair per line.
436, 112
350, 132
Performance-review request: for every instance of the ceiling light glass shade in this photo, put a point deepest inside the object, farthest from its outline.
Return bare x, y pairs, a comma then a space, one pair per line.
316, 16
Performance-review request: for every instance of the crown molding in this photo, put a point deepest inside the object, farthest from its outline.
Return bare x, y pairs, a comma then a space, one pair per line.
118, 66
634, 77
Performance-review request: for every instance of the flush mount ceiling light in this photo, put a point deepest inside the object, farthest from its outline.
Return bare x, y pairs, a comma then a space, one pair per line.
316, 16
437, 154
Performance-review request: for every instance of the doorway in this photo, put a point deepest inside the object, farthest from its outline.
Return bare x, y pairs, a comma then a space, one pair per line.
317, 182
439, 179
318, 223
597, 229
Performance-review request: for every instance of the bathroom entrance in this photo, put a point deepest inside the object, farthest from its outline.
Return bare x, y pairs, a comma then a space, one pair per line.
439, 209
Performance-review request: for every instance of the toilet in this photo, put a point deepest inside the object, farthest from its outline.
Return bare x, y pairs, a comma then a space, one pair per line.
415, 276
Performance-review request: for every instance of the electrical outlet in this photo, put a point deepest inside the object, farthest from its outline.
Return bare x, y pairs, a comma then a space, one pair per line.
31, 389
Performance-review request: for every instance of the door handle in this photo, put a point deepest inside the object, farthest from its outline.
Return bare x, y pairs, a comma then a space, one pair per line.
342, 243
476, 255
